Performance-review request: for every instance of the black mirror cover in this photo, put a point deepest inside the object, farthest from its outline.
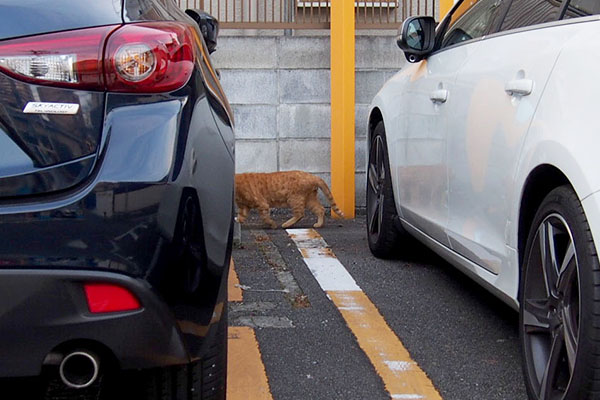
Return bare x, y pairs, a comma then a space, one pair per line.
209, 26
417, 37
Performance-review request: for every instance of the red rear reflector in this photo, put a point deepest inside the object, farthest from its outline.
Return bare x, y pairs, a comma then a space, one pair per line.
105, 297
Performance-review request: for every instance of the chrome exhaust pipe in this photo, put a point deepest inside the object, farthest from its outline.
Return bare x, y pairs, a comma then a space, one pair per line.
79, 369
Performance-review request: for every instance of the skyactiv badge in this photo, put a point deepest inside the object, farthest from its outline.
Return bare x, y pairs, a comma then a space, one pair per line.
34, 107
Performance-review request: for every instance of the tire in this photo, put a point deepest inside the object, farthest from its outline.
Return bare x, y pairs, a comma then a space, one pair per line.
560, 303
209, 375
204, 379
383, 234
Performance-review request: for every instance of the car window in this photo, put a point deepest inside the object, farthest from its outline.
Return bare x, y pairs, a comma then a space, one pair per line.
582, 8
523, 13
472, 19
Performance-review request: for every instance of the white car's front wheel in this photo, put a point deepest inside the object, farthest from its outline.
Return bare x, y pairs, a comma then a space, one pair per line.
382, 233
560, 303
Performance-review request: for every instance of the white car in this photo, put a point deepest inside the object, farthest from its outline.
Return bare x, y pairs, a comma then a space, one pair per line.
486, 149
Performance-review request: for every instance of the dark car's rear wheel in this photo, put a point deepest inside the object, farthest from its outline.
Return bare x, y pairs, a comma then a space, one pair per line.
383, 234
204, 379
560, 303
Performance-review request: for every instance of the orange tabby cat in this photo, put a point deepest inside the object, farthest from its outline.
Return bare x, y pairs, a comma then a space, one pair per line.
294, 189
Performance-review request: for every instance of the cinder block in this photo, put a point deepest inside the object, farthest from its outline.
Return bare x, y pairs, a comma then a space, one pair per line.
360, 154
360, 185
255, 122
304, 121
305, 155
255, 156
361, 115
378, 52
305, 86
304, 52
245, 52
250, 86
368, 84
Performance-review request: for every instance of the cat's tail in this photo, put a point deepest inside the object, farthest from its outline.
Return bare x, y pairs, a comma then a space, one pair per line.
323, 186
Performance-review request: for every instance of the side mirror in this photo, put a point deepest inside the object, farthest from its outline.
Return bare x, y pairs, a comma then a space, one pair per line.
209, 26
417, 37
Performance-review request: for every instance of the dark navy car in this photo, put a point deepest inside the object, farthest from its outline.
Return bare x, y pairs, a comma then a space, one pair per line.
116, 201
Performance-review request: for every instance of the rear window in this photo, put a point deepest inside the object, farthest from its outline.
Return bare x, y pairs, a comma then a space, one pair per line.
31, 17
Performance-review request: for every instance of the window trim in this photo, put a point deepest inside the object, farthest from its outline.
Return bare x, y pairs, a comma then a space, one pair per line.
496, 34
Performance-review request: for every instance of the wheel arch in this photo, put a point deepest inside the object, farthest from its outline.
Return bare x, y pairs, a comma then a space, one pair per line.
375, 117
540, 181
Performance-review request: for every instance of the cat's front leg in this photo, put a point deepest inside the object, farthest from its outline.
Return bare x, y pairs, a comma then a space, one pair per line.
242, 214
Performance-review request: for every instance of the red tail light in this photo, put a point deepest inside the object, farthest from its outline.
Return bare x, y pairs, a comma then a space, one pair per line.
143, 58
151, 57
66, 59
104, 297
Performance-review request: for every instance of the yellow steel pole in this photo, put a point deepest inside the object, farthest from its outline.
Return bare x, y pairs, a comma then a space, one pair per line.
342, 105
445, 6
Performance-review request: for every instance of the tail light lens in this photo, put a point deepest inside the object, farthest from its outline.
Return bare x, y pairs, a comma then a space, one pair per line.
149, 57
137, 58
105, 297
65, 59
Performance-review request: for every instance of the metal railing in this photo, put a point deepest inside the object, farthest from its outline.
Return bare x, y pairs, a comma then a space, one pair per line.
309, 14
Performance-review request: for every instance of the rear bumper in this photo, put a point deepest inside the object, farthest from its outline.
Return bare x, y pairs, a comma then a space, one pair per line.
124, 224
42, 309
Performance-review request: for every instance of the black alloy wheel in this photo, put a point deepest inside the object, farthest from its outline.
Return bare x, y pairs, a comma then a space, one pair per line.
382, 233
559, 321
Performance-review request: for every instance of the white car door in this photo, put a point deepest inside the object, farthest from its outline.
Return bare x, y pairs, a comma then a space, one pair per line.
419, 154
497, 92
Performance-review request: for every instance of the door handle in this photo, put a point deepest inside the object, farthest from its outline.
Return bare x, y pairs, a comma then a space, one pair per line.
439, 96
519, 87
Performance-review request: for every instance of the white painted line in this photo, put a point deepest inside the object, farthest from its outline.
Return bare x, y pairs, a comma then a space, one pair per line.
402, 377
331, 275
327, 270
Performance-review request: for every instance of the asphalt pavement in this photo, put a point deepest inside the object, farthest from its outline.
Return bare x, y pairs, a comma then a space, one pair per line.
464, 338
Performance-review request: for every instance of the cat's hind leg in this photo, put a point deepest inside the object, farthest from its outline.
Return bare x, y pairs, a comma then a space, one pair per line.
316, 208
265, 214
297, 204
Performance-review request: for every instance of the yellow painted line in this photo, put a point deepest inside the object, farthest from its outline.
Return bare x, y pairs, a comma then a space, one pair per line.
246, 376
402, 377
234, 293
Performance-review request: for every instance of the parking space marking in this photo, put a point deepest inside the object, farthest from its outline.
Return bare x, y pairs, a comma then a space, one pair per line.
246, 375
234, 292
402, 377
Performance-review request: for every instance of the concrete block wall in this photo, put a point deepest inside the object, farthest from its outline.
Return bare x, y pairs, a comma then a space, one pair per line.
279, 89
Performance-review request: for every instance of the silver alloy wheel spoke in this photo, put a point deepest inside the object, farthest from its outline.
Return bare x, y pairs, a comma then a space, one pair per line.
549, 262
535, 317
373, 215
552, 367
373, 178
567, 268
570, 338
